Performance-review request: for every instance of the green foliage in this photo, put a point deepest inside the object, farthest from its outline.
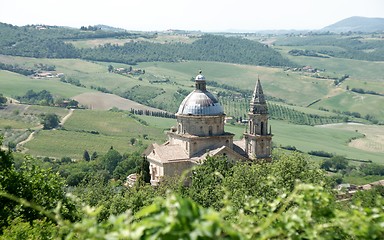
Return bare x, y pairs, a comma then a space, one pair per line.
143, 171
207, 179
308, 212
372, 169
335, 163
129, 164
278, 200
207, 48
348, 47
16, 69
215, 176
180, 218
369, 198
30, 183
320, 153
43, 97
3, 100
86, 156
39, 229
50, 43
281, 112
50, 121
110, 160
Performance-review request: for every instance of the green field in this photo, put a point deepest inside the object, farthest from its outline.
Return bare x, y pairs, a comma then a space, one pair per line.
93, 131
297, 89
13, 84
354, 102
14, 124
357, 69
20, 116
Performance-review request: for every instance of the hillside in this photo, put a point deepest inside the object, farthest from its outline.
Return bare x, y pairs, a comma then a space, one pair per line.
357, 24
55, 42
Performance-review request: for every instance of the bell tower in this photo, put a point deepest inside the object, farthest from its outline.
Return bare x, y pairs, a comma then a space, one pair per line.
258, 138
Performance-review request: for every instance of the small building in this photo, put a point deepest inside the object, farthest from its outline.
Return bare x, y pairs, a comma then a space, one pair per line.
200, 133
131, 180
44, 75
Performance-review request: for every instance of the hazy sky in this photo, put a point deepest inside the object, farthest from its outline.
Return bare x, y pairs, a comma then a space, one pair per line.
205, 15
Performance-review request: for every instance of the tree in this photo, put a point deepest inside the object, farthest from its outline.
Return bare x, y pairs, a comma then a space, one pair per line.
86, 156
50, 121
207, 180
39, 186
144, 171
94, 156
3, 100
66, 160
326, 165
110, 160
335, 163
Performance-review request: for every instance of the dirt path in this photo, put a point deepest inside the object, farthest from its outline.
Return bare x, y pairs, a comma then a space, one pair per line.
20, 145
65, 118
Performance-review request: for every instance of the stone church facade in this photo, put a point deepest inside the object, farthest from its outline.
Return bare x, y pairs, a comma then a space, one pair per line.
200, 133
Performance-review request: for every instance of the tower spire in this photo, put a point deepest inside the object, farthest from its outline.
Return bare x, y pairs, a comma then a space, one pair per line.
258, 103
258, 95
257, 139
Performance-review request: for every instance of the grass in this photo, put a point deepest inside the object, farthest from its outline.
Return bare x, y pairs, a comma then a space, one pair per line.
36, 109
110, 124
361, 180
297, 89
14, 124
300, 90
72, 144
354, 102
114, 129
13, 84
369, 71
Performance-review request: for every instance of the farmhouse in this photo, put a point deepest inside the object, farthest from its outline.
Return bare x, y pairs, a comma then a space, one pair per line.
200, 133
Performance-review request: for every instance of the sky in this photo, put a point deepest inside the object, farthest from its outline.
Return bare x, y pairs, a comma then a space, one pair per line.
204, 15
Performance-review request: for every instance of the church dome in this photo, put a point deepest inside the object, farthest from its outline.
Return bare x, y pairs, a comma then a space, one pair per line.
200, 101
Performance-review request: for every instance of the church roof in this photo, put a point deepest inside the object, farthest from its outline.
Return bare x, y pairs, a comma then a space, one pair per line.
167, 152
200, 101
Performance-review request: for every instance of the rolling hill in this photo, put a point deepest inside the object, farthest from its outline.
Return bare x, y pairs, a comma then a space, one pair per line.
357, 24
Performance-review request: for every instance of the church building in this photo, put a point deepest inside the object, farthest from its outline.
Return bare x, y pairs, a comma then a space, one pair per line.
200, 133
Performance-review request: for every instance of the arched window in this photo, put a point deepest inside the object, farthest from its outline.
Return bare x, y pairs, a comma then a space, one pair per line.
210, 131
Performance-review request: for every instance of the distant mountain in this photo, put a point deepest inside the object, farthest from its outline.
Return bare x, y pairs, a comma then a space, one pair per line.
357, 24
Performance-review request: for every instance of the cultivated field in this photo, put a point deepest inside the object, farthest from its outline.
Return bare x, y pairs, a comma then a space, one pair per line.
162, 84
373, 140
93, 130
106, 101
